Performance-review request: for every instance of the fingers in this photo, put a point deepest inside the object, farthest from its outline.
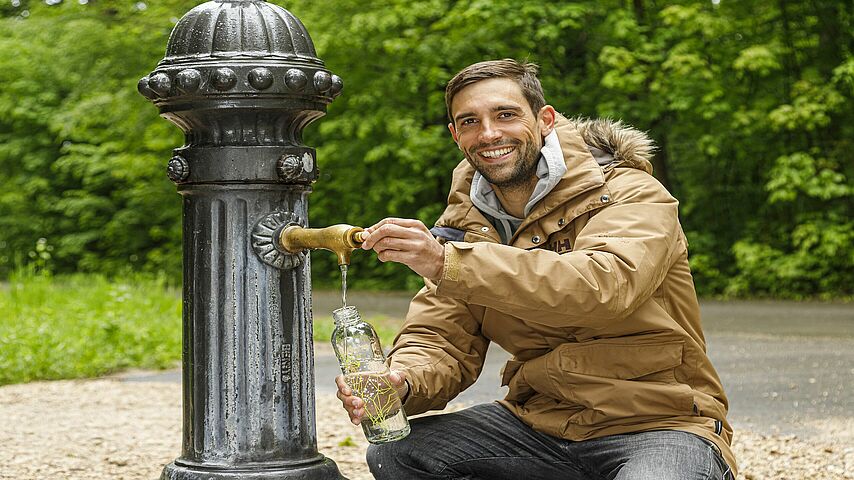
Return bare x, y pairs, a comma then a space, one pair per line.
404, 228
352, 404
406, 257
342, 385
396, 378
406, 251
404, 222
400, 247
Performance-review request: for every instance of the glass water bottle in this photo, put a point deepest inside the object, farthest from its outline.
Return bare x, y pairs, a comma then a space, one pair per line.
365, 371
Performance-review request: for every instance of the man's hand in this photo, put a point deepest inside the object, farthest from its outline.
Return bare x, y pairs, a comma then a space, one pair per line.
408, 242
355, 406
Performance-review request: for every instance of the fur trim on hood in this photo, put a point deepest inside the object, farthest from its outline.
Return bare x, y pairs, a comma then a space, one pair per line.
629, 146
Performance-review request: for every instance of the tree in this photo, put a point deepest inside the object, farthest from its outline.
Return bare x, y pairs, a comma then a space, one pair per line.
749, 102
82, 155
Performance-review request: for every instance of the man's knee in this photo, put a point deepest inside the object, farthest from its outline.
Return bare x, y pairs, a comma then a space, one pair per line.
434, 443
384, 460
376, 454
668, 454
406, 458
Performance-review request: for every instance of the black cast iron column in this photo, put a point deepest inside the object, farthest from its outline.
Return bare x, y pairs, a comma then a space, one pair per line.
242, 80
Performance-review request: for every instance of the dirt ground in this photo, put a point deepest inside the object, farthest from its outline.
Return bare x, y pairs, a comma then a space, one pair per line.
107, 429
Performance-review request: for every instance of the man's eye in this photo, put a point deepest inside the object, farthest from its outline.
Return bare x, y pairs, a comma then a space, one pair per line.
467, 121
506, 115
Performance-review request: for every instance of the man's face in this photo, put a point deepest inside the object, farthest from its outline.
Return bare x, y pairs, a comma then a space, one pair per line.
499, 134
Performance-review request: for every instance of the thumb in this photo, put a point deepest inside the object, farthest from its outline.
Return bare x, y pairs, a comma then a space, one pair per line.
399, 381
396, 377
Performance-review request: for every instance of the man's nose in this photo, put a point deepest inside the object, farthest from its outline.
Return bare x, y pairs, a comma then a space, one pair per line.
489, 133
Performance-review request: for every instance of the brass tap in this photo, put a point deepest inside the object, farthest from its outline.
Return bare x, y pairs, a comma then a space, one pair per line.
339, 239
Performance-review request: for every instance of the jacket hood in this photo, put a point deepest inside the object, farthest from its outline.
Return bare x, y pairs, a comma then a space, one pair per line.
629, 146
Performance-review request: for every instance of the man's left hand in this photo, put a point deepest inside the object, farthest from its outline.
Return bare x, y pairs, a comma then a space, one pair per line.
409, 242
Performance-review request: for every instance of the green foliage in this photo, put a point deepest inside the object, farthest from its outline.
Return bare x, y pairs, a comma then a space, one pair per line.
84, 325
817, 258
347, 442
750, 103
82, 156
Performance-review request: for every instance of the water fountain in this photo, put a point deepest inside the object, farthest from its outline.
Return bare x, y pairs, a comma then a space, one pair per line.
242, 80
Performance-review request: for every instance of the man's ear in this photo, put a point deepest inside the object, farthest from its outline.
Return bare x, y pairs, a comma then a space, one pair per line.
546, 119
454, 135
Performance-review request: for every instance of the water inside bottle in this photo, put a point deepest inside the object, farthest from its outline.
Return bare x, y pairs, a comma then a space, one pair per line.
384, 419
376, 389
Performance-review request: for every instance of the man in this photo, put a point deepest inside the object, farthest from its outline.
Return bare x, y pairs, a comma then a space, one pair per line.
559, 245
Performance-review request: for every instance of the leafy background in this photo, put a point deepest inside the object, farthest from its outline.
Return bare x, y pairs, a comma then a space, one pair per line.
749, 101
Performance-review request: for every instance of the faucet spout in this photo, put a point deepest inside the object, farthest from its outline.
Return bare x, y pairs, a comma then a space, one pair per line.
339, 239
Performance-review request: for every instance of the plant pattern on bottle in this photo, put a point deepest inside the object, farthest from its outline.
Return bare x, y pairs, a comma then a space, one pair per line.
375, 388
350, 363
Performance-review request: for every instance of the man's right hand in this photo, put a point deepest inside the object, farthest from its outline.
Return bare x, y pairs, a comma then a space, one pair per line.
409, 242
355, 406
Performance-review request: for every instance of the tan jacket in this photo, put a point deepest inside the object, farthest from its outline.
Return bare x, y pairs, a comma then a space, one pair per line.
593, 297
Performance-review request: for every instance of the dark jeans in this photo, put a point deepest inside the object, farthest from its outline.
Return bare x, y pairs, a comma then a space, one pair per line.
488, 442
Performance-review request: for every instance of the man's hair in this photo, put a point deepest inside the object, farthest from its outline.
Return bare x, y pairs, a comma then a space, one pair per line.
524, 74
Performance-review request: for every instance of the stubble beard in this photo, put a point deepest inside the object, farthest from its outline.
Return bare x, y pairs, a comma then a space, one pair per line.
524, 169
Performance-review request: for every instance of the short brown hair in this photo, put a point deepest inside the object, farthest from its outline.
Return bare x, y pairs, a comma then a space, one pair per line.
524, 74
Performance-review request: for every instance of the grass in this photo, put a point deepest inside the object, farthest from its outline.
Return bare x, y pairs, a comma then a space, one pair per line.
85, 326
80, 326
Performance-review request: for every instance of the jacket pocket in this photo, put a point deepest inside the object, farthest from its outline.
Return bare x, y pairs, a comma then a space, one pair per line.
620, 360
613, 379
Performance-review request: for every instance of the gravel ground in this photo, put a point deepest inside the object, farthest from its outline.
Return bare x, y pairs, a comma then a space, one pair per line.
108, 429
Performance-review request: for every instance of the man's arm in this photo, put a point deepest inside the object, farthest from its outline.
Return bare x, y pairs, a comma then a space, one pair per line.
619, 259
440, 348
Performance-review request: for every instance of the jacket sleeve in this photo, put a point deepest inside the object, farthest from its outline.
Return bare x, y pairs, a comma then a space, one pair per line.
440, 349
619, 259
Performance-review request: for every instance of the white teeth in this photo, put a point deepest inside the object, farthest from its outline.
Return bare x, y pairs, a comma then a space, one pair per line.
496, 153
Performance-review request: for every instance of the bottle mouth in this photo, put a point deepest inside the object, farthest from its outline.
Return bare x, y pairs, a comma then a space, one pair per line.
346, 314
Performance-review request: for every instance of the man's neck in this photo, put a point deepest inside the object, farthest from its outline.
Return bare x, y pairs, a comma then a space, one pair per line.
514, 198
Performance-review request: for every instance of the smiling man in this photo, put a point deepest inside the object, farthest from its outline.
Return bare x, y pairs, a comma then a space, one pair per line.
560, 246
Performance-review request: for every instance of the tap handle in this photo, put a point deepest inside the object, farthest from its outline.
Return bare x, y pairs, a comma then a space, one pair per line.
357, 236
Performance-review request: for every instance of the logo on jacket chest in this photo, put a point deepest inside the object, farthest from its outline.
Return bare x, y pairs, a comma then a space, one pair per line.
560, 245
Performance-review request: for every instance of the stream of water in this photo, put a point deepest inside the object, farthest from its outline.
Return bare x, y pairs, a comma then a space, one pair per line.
343, 285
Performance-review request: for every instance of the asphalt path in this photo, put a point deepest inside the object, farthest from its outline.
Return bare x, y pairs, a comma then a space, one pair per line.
783, 364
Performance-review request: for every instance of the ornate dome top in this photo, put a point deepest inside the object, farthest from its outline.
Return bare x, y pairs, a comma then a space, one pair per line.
238, 28
240, 71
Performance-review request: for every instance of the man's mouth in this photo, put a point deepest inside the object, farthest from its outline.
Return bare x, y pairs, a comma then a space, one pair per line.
496, 153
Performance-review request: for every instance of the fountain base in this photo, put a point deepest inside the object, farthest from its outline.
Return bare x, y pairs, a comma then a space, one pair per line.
325, 469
